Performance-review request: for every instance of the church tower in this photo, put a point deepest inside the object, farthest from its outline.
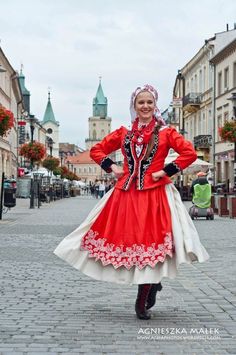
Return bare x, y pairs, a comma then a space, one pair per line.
99, 123
52, 128
25, 92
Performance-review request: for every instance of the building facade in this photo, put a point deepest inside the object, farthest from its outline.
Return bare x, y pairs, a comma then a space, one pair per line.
194, 99
11, 99
224, 65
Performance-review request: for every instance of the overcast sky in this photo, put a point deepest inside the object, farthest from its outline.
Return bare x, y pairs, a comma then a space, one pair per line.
67, 44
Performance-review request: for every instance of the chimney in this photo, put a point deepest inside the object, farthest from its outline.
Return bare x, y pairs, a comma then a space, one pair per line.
227, 27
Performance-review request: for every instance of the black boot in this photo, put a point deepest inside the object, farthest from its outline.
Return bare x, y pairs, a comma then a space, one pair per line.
140, 305
151, 300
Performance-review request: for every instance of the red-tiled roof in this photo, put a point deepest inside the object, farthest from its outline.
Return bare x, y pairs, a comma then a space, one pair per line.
82, 158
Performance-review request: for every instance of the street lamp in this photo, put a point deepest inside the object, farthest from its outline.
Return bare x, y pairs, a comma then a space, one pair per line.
61, 156
233, 99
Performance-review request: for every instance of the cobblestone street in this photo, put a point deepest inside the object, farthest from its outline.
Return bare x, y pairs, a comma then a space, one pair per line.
49, 307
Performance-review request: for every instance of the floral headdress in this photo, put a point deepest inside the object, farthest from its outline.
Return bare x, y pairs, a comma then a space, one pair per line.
154, 93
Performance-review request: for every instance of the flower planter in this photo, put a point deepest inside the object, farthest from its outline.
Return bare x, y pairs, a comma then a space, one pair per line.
223, 206
232, 207
6, 121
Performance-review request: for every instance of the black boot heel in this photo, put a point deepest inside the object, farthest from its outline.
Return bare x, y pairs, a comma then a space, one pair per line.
140, 304
151, 300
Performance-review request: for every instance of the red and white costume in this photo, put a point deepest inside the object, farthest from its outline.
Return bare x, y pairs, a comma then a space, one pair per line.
140, 231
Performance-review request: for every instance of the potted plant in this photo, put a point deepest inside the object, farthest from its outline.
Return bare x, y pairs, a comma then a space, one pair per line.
51, 163
33, 151
6, 121
228, 131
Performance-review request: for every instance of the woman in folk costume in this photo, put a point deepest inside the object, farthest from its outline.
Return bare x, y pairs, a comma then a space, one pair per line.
140, 231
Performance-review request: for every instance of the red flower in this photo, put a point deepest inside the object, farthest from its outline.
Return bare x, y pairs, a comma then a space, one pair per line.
6, 121
228, 131
33, 151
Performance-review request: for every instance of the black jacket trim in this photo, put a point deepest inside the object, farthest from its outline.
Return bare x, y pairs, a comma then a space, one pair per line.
171, 169
106, 163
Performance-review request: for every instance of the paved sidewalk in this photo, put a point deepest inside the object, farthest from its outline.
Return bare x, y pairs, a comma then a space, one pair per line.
47, 307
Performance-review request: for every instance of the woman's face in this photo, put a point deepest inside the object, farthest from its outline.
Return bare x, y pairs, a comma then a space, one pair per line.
144, 106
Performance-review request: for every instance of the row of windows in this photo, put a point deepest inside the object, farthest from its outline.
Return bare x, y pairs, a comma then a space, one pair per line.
89, 170
100, 123
95, 135
223, 83
196, 126
198, 83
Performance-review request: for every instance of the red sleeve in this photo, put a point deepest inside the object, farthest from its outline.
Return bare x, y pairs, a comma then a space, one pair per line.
184, 148
100, 151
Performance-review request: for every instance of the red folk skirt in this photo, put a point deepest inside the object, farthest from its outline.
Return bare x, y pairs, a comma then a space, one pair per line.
133, 229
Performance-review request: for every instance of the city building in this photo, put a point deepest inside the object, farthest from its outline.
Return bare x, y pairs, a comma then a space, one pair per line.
67, 150
194, 98
11, 99
224, 66
99, 123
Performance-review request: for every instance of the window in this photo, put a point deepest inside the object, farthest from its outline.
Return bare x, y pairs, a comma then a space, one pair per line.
187, 134
219, 124
209, 122
226, 116
49, 130
218, 170
191, 87
94, 134
195, 83
210, 77
199, 124
219, 83
195, 126
191, 130
187, 86
203, 123
204, 80
200, 81
226, 79
102, 133
234, 74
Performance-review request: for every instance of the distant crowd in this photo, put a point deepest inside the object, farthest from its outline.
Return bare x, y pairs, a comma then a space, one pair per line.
99, 188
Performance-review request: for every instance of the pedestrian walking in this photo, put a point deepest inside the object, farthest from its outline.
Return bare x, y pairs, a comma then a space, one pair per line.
101, 189
140, 231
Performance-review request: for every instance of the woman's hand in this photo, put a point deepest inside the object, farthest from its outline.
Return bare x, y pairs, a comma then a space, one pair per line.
117, 170
157, 175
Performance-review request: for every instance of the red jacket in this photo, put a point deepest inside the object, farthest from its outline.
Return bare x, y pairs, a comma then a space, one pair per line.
138, 169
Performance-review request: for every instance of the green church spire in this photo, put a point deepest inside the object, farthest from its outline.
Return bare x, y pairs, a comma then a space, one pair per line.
24, 91
22, 82
100, 102
49, 115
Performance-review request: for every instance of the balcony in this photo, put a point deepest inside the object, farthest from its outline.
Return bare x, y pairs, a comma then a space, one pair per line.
192, 102
202, 141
